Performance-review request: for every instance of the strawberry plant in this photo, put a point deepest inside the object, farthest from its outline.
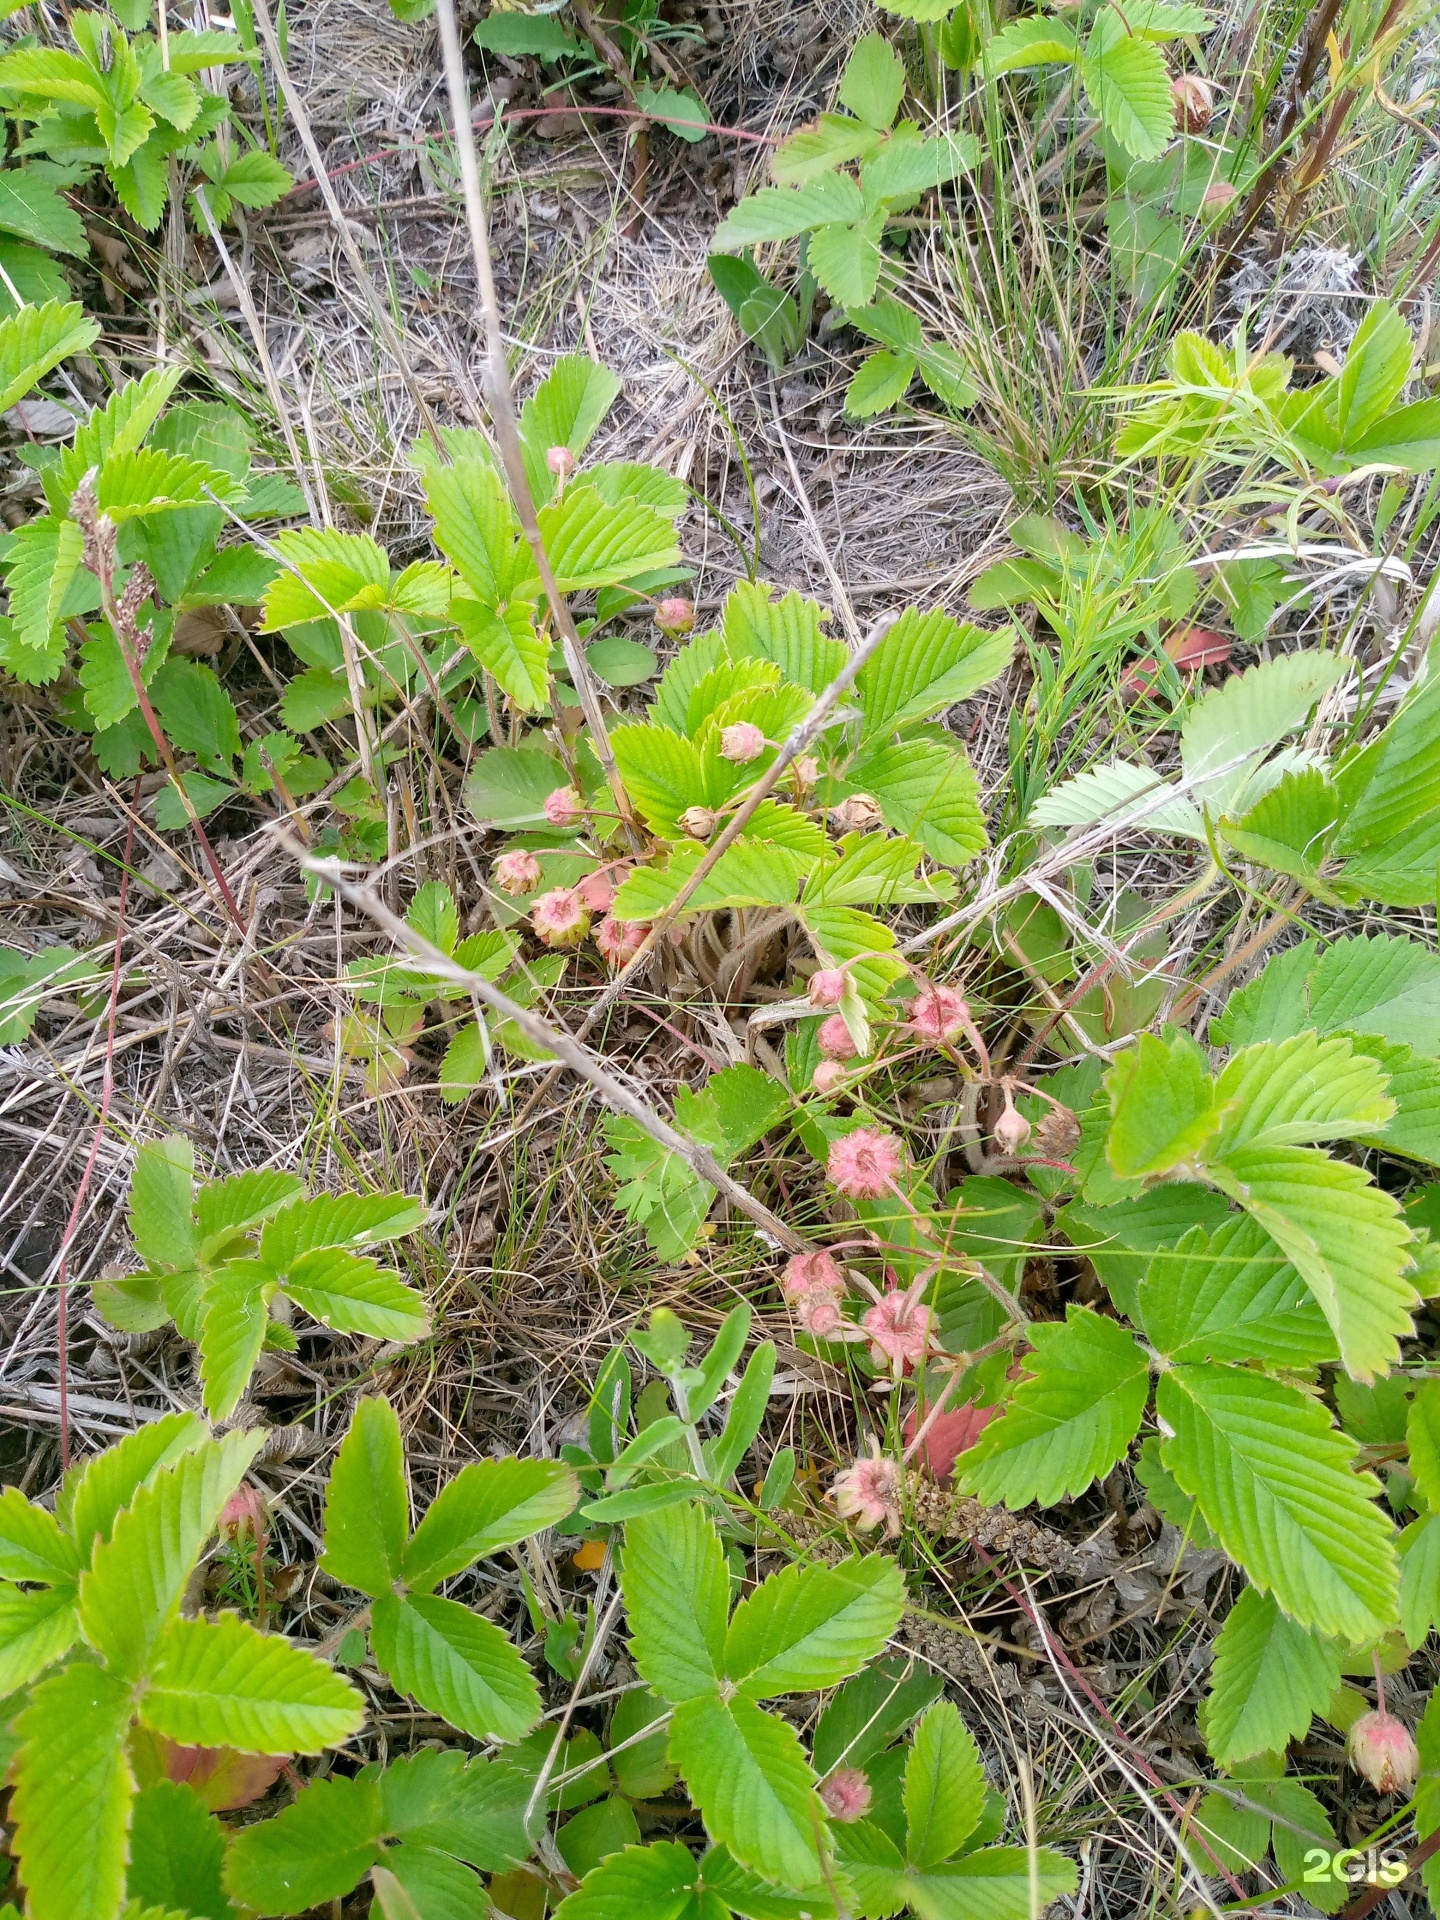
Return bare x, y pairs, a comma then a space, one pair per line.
226, 1260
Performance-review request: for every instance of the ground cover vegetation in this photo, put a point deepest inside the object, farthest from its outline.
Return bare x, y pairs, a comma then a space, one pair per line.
829, 1307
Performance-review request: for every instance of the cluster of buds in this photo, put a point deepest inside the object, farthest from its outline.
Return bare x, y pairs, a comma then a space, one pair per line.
898, 1326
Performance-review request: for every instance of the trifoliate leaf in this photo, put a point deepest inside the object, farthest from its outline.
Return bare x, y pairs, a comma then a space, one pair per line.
456, 1664
752, 1783
223, 1683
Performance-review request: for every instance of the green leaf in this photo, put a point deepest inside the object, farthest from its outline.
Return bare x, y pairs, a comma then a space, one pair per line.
508, 645
811, 1627
478, 531
845, 258
621, 663
596, 1833
1422, 1433
32, 1547
785, 631
36, 1629
1372, 983
73, 1792
1269, 1676
223, 1683
176, 1850
750, 873
1393, 783
355, 1295
754, 1788
1408, 438
677, 1594
1420, 1579
779, 213
337, 1220
1163, 1108
997, 1883
1121, 794
160, 1189
367, 1506
944, 1787
32, 206
36, 339
1346, 1238
926, 663
683, 112
661, 1882
1069, 1421
488, 1505
925, 788
314, 1850
564, 411
325, 573
472, 1808
1276, 1484
1297, 1091
456, 1664
228, 1207
1232, 1295
873, 83
236, 1313
95, 1493
881, 381
1227, 731
665, 774
1129, 86
1030, 43
874, 870
591, 543
819, 148
137, 1579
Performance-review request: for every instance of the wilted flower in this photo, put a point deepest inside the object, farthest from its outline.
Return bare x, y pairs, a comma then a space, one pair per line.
835, 1039
742, 742
518, 872
1012, 1129
939, 1015
675, 615
812, 1273
827, 1076
1194, 99
560, 918
1382, 1750
560, 461
699, 822
596, 890
863, 1164
806, 769
619, 940
827, 987
899, 1328
1058, 1133
846, 1795
564, 807
858, 814
822, 1317
243, 1515
869, 1493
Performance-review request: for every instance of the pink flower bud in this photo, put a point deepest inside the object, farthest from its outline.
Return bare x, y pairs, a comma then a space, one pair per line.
1382, 1750
820, 1315
864, 1164
560, 918
596, 890
619, 941
243, 1515
1012, 1129
560, 461
1194, 100
564, 807
827, 1077
699, 822
518, 872
675, 615
847, 1795
742, 742
835, 1039
812, 1273
939, 1015
827, 987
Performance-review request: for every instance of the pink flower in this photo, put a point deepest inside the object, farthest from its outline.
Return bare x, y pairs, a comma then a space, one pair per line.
1382, 1750
834, 1039
675, 615
869, 1493
619, 940
827, 1076
518, 872
827, 987
560, 461
742, 742
243, 1515
564, 807
560, 918
939, 1015
899, 1328
846, 1794
812, 1273
596, 890
863, 1164
1012, 1129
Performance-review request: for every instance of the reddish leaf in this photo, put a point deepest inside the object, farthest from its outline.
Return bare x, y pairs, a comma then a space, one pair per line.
949, 1435
1191, 648
223, 1778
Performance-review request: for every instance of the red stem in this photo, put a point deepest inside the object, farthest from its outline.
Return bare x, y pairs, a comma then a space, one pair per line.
106, 1090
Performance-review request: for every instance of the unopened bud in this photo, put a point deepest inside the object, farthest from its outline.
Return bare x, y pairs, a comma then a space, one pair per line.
847, 1795
742, 743
1382, 1750
827, 987
564, 807
675, 615
1012, 1129
698, 822
518, 872
243, 1515
560, 461
827, 1076
1194, 100
835, 1040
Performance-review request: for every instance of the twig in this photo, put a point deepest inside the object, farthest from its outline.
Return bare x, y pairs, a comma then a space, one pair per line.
555, 1040
501, 397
